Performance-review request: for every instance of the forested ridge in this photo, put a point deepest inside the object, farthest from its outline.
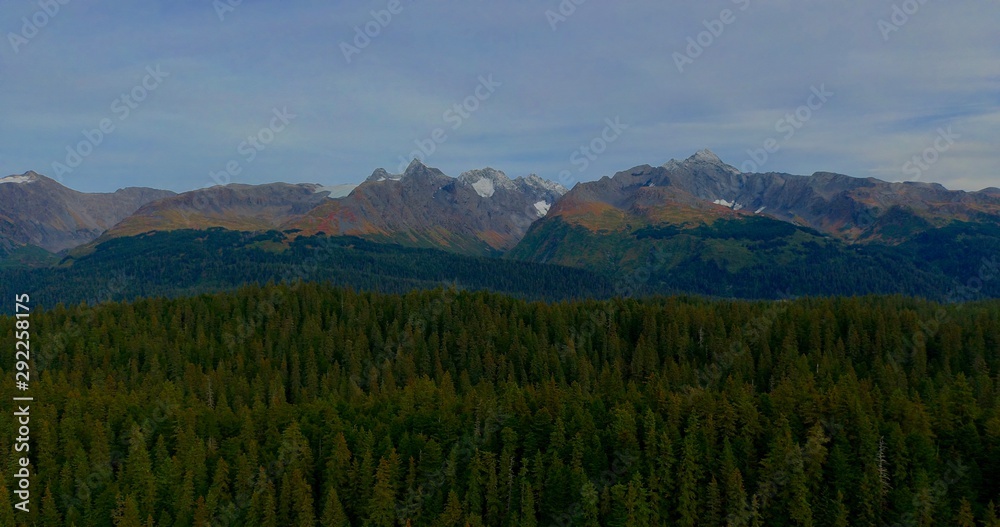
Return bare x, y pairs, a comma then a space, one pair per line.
190, 262
752, 259
304, 405
759, 257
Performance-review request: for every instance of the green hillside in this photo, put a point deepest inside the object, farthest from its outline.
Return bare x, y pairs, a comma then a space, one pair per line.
764, 258
187, 262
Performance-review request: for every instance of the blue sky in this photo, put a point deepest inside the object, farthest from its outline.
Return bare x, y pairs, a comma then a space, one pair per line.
549, 75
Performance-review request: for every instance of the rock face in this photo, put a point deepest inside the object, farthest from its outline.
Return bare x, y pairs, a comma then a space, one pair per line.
485, 212
701, 226
235, 207
703, 187
480, 212
36, 210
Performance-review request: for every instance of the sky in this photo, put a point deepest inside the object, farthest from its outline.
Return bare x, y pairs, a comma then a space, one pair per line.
185, 94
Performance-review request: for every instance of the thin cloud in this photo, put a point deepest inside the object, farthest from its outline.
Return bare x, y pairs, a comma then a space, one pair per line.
605, 60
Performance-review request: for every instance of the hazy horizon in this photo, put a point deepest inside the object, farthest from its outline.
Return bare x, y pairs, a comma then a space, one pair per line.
361, 179
163, 94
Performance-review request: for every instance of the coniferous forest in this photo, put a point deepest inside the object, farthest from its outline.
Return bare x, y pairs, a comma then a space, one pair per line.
547, 263
309, 405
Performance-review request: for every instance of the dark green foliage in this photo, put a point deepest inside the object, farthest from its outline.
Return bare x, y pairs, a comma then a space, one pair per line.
657, 232
26, 256
763, 258
898, 223
300, 404
751, 258
190, 262
756, 228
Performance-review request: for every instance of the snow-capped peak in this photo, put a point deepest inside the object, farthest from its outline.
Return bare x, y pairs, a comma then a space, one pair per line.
29, 177
380, 174
538, 183
486, 181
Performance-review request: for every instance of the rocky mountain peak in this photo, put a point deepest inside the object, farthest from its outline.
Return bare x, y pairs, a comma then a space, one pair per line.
486, 181
39, 211
415, 168
27, 177
380, 174
701, 159
540, 184
705, 156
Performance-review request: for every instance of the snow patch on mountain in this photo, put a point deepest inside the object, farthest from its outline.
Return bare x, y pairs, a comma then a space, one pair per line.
382, 175
537, 183
484, 188
543, 208
27, 178
487, 181
335, 191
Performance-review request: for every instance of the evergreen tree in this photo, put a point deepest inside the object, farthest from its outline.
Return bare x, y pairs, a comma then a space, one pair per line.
452, 515
333, 511
127, 513
49, 511
382, 508
303, 513
687, 504
589, 501
840, 512
528, 515
263, 507
965, 517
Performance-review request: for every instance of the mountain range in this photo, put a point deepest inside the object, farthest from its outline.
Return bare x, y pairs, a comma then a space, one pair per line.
692, 226
39, 212
703, 188
705, 215
480, 212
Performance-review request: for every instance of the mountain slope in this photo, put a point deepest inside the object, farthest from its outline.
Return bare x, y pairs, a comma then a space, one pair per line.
697, 226
38, 211
234, 207
703, 188
190, 262
480, 212
701, 226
